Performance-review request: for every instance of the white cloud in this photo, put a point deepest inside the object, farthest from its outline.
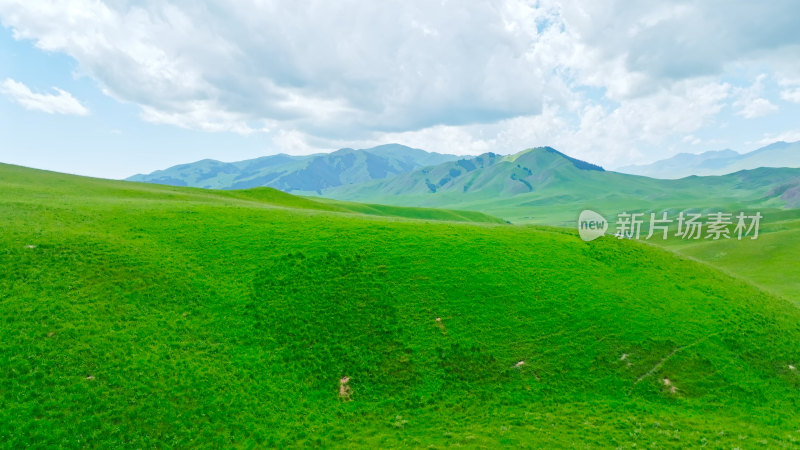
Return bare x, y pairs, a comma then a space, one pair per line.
678, 40
201, 115
616, 136
750, 103
756, 107
691, 139
319, 68
790, 89
62, 102
791, 94
606, 81
294, 143
769, 138
611, 136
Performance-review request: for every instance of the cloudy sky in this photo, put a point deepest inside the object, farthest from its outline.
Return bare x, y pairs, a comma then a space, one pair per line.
116, 87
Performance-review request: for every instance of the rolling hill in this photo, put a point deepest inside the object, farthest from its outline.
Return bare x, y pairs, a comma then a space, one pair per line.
770, 262
544, 186
142, 315
778, 154
560, 189
311, 173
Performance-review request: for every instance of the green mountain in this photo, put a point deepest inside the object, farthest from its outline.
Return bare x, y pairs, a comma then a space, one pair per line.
779, 154
487, 176
311, 173
141, 315
544, 186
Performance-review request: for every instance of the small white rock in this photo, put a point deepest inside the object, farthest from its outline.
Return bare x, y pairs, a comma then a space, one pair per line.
519, 364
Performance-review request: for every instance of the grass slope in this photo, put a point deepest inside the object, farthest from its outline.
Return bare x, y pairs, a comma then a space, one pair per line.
139, 315
769, 262
52, 185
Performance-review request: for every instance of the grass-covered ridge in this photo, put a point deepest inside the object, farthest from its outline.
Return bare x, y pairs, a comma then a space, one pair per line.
51, 184
770, 261
145, 315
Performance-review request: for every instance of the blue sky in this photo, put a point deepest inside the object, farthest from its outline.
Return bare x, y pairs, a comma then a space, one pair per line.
111, 141
110, 89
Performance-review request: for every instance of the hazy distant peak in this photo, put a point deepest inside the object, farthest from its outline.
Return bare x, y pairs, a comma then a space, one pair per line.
719, 162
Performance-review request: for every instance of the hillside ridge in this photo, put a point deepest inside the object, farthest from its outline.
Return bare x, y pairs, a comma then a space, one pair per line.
138, 314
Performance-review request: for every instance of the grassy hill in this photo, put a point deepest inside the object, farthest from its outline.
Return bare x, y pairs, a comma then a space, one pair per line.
142, 315
547, 187
769, 262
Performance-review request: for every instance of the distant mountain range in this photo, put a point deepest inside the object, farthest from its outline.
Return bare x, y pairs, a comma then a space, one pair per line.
720, 162
543, 185
489, 174
540, 185
312, 173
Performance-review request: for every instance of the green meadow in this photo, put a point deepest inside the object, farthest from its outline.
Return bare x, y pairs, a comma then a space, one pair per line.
545, 187
141, 315
769, 262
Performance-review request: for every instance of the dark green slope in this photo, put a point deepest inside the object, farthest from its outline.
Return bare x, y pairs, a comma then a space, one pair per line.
311, 173
147, 316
